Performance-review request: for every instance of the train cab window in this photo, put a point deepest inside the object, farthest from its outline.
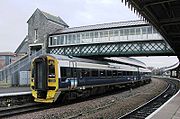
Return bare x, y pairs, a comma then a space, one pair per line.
102, 73
114, 73
109, 73
94, 73
51, 73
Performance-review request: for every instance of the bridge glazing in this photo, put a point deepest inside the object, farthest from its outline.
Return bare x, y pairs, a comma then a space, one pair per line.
109, 35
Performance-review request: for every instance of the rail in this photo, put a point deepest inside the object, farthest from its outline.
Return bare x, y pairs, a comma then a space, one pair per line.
146, 109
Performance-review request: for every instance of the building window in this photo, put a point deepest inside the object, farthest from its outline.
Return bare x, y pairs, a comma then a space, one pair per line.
35, 34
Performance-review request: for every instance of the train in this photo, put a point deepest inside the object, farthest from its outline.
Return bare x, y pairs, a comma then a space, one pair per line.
54, 76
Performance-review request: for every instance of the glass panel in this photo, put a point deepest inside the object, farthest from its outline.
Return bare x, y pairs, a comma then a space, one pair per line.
109, 73
121, 32
149, 29
62, 40
69, 39
116, 33
111, 33
132, 31
138, 31
101, 34
87, 35
78, 38
114, 73
126, 32
144, 30
91, 35
85, 73
105, 33
58, 40
154, 30
73, 38
50, 43
51, 71
66, 39
102, 73
83, 35
94, 73
96, 34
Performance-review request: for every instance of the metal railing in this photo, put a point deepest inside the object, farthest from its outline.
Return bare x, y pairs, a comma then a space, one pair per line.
10, 73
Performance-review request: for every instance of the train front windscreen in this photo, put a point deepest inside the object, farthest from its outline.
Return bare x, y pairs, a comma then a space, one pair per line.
40, 79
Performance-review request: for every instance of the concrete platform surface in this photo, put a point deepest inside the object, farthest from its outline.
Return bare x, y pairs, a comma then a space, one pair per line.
14, 90
170, 110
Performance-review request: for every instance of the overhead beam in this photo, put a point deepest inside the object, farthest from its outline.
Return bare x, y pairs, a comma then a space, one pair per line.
155, 2
170, 21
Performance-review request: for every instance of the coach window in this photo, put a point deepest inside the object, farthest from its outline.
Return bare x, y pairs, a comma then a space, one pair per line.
63, 73
94, 73
85, 73
102, 73
124, 73
114, 73
119, 73
109, 73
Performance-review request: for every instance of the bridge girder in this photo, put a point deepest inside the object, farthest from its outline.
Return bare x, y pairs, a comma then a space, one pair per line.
115, 49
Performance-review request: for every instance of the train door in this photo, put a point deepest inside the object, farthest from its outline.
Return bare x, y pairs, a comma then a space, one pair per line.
73, 72
73, 69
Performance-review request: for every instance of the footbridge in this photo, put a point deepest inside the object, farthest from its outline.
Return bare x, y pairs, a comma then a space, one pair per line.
164, 15
130, 38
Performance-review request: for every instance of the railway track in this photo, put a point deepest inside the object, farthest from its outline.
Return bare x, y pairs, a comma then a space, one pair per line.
10, 111
146, 109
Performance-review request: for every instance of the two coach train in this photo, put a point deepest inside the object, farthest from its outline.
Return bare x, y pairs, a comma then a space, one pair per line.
55, 75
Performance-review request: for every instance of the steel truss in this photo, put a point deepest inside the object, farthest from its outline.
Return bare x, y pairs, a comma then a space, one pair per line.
128, 48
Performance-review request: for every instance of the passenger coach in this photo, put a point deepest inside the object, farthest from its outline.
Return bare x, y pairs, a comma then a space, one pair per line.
55, 75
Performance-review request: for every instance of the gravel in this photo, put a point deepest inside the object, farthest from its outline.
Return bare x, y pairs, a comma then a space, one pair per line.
112, 106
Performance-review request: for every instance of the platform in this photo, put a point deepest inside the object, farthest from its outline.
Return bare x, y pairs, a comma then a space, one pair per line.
13, 91
170, 110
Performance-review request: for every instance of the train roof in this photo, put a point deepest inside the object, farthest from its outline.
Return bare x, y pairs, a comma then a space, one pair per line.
119, 60
128, 61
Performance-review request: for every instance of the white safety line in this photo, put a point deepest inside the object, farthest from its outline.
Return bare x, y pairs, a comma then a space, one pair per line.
151, 115
14, 94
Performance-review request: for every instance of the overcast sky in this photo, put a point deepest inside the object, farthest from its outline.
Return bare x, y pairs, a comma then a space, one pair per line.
15, 13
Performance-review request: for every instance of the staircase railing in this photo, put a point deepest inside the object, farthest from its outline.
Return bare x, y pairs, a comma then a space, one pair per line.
10, 73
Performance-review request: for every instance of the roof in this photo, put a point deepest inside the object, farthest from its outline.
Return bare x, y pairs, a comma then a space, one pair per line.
164, 15
7, 54
23, 47
55, 19
171, 67
128, 60
103, 26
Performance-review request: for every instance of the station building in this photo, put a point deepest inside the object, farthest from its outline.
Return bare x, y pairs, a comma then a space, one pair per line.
6, 58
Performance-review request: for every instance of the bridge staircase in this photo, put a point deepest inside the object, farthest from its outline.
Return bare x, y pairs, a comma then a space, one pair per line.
9, 75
